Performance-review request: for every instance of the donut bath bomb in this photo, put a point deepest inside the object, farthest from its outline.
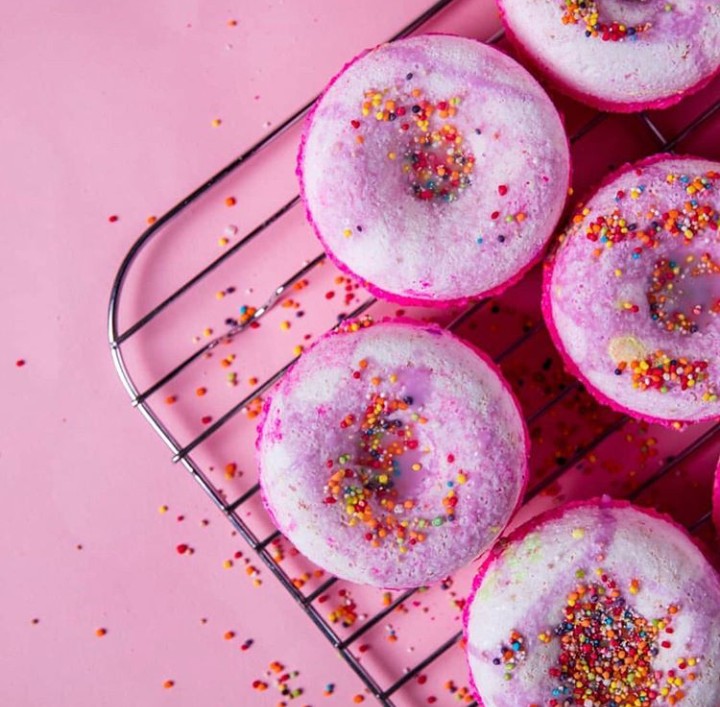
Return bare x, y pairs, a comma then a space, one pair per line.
619, 55
434, 169
392, 454
632, 294
595, 604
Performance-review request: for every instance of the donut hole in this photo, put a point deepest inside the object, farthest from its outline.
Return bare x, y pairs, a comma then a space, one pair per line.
384, 474
628, 12
414, 137
683, 292
438, 164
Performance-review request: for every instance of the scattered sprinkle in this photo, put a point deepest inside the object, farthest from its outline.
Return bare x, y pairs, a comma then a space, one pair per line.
587, 12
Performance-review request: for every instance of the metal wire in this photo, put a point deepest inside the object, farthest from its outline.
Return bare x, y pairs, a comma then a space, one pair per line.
183, 453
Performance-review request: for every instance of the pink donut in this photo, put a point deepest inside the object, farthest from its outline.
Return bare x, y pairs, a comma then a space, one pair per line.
618, 55
632, 294
595, 604
392, 454
434, 169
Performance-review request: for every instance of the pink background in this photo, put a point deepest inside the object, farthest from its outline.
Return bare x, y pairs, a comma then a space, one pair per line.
107, 109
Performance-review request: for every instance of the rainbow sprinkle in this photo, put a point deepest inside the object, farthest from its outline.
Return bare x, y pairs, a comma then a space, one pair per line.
435, 158
351, 326
607, 650
587, 12
686, 220
662, 373
362, 479
512, 653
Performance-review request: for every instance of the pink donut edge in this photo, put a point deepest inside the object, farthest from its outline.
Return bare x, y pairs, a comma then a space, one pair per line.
432, 328
410, 301
716, 499
546, 306
553, 514
591, 100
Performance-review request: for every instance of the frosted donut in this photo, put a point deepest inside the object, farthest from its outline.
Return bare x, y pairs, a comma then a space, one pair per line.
434, 169
632, 294
619, 55
392, 454
595, 604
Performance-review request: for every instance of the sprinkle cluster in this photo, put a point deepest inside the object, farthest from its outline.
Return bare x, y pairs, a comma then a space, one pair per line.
587, 12
660, 372
435, 158
363, 479
512, 653
607, 649
685, 221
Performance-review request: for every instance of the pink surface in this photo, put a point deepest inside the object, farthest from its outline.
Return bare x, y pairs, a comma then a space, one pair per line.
107, 110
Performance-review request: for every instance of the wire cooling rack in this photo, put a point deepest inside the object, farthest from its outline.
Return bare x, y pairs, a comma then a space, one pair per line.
182, 452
